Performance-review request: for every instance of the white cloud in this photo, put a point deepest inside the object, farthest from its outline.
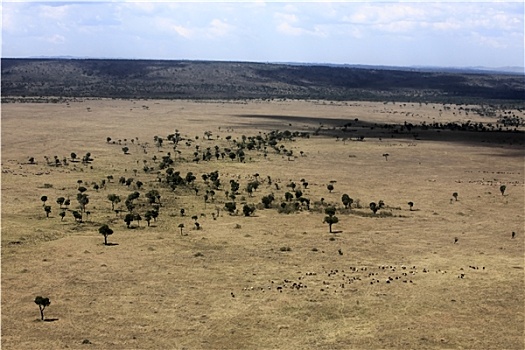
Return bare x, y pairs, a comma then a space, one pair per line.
55, 39
218, 28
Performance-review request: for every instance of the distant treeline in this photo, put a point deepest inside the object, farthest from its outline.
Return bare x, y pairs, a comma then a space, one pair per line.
150, 79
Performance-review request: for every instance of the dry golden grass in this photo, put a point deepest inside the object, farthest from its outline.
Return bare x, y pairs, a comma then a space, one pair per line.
217, 288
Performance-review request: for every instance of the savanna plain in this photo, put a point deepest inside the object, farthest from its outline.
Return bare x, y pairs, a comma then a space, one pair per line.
217, 255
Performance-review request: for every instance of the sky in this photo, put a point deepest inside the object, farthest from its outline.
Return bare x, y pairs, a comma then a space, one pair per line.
391, 33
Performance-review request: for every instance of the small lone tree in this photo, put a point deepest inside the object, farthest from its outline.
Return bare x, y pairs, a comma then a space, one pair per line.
47, 209
330, 220
105, 231
42, 304
62, 214
410, 204
386, 156
455, 195
44, 200
502, 189
181, 226
125, 149
374, 207
330, 188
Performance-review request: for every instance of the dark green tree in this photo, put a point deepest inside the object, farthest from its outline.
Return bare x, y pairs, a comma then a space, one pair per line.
60, 201
347, 201
248, 209
105, 231
47, 209
152, 196
128, 219
44, 200
230, 207
502, 189
137, 218
374, 207
62, 214
77, 216
82, 200
330, 188
330, 220
410, 204
42, 304
267, 200
181, 226
114, 199
148, 216
330, 211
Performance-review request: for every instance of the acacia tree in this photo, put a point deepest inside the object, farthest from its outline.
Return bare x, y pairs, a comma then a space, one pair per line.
148, 216
347, 201
47, 209
230, 207
83, 200
42, 304
77, 216
105, 231
330, 219
248, 209
181, 226
114, 199
455, 195
330, 188
44, 200
502, 189
374, 207
128, 219
267, 200
60, 201
410, 204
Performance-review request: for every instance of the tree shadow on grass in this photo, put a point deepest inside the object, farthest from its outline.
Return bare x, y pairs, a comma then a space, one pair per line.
51, 319
110, 244
337, 231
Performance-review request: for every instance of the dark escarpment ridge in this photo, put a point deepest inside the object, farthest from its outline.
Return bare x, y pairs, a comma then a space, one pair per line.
118, 78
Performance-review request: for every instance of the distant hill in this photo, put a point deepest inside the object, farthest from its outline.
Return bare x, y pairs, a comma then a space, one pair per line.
118, 78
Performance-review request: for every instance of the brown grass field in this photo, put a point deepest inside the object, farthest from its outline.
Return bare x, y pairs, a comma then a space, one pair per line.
272, 280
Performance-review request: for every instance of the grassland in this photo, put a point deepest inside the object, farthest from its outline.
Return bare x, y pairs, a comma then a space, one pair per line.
272, 280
